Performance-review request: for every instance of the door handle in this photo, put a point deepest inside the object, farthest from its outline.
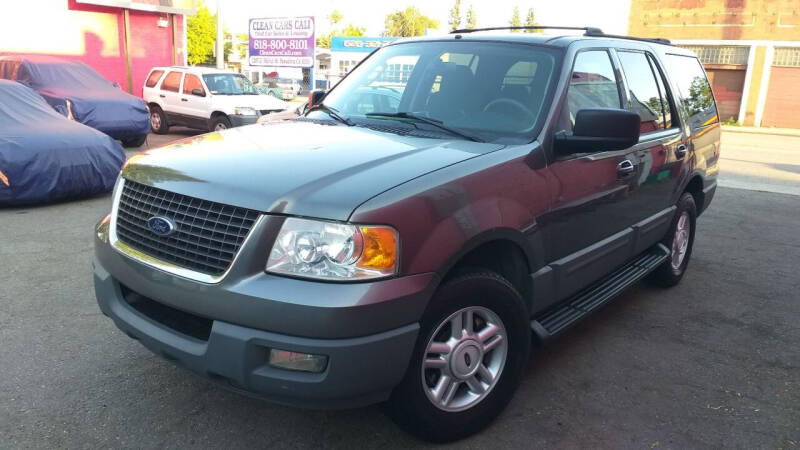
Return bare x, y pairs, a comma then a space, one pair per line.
162, 95
625, 168
680, 151
184, 100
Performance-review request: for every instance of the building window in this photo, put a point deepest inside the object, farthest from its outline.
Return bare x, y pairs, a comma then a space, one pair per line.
710, 54
787, 56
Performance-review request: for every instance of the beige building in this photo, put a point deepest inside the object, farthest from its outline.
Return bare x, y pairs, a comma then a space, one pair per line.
750, 48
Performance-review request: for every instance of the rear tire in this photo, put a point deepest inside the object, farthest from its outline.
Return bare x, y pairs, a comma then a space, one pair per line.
476, 382
679, 241
220, 123
158, 121
135, 141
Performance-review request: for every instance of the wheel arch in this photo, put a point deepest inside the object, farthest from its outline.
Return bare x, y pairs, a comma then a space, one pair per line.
504, 251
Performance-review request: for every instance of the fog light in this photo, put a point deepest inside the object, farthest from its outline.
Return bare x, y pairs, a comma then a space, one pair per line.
303, 362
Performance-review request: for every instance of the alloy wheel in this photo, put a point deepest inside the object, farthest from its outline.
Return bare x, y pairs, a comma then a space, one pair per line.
464, 358
680, 242
155, 120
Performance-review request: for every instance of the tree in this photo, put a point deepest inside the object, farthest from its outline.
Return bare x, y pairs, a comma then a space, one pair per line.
530, 21
515, 19
472, 20
244, 45
324, 41
408, 22
455, 16
335, 17
201, 33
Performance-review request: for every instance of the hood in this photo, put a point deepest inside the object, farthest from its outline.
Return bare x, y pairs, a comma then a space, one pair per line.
294, 167
260, 102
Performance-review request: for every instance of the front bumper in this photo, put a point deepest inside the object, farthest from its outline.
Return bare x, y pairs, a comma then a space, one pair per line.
239, 120
367, 330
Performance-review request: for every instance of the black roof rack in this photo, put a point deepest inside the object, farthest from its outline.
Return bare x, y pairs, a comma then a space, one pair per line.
537, 27
587, 31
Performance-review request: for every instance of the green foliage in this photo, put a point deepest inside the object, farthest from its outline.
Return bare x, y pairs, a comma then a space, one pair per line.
455, 16
324, 41
201, 33
731, 122
472, 19
530, 21
244, 44
335, 17
408, 22
515, 20
700, 96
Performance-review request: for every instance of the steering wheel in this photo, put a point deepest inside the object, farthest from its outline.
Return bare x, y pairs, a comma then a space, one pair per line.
514, 103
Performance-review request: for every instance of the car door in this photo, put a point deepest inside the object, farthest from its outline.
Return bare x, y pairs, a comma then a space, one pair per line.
587, 230
169, 96
193, 105
661, 149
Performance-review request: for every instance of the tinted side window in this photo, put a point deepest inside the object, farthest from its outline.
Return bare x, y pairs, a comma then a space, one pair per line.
592, 84
696, 98
645, 98
191, 82
172, 82
665, 94
152, 80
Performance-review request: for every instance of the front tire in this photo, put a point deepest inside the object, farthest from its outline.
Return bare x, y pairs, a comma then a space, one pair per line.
220, 123
135, 141
679, 241
472, 349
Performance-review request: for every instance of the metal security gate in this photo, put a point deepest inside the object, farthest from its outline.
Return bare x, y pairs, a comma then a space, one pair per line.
783, 96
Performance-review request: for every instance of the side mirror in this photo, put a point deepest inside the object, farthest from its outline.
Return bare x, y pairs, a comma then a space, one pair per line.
598, 130
198, 92
315, 96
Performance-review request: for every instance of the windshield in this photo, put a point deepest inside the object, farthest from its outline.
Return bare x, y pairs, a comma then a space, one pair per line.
494, 91
229, 84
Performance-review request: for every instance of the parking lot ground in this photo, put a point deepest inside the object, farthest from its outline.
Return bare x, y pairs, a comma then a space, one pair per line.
711, 363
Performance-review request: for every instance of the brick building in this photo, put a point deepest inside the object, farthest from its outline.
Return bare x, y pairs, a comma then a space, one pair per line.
121, 39
750, 48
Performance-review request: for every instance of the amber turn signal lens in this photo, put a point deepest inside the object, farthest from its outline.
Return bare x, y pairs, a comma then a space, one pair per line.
380, 249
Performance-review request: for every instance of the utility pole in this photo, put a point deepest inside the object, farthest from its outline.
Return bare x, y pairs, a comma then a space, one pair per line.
220, 38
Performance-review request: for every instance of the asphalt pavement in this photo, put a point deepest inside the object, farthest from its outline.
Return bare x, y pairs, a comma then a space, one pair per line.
711, 363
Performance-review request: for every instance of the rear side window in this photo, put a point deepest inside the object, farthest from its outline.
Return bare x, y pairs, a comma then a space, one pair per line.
645, 95
191, 82
696, 98
152, 80
172, 82
666, 104
591, 85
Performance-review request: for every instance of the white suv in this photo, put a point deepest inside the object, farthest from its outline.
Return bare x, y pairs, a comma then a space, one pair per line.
204, 98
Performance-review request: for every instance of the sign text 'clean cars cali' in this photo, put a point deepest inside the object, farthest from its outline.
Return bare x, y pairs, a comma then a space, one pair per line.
282, 42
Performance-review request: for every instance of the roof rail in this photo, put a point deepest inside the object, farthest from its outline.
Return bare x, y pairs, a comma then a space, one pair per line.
632, 38
587, 31
537, 27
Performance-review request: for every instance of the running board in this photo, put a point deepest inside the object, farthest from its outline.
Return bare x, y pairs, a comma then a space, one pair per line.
572, 310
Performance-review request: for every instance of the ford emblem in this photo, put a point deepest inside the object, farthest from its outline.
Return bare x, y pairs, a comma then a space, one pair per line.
161, 226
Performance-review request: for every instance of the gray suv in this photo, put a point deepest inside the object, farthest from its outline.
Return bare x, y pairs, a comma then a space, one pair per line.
407, 238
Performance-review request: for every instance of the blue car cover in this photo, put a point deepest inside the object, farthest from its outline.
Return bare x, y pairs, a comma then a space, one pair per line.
46, 157
72, 87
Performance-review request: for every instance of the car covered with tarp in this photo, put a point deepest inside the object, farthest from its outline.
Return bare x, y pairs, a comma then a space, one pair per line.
46, 157
77, 91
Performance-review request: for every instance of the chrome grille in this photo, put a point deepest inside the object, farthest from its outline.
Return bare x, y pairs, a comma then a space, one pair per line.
208, 235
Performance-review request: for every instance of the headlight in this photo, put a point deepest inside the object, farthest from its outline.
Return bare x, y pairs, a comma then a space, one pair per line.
334, 251
244, 111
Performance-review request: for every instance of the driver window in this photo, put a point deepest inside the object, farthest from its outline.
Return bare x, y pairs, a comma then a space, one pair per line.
593, 84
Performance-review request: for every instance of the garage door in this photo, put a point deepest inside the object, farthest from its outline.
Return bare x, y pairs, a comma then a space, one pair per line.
783, 95
727, 86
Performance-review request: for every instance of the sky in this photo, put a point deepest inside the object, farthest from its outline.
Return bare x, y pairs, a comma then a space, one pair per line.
609, 15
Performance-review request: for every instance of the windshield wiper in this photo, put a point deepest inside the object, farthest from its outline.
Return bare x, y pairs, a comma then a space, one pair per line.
430, 121
331, 112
